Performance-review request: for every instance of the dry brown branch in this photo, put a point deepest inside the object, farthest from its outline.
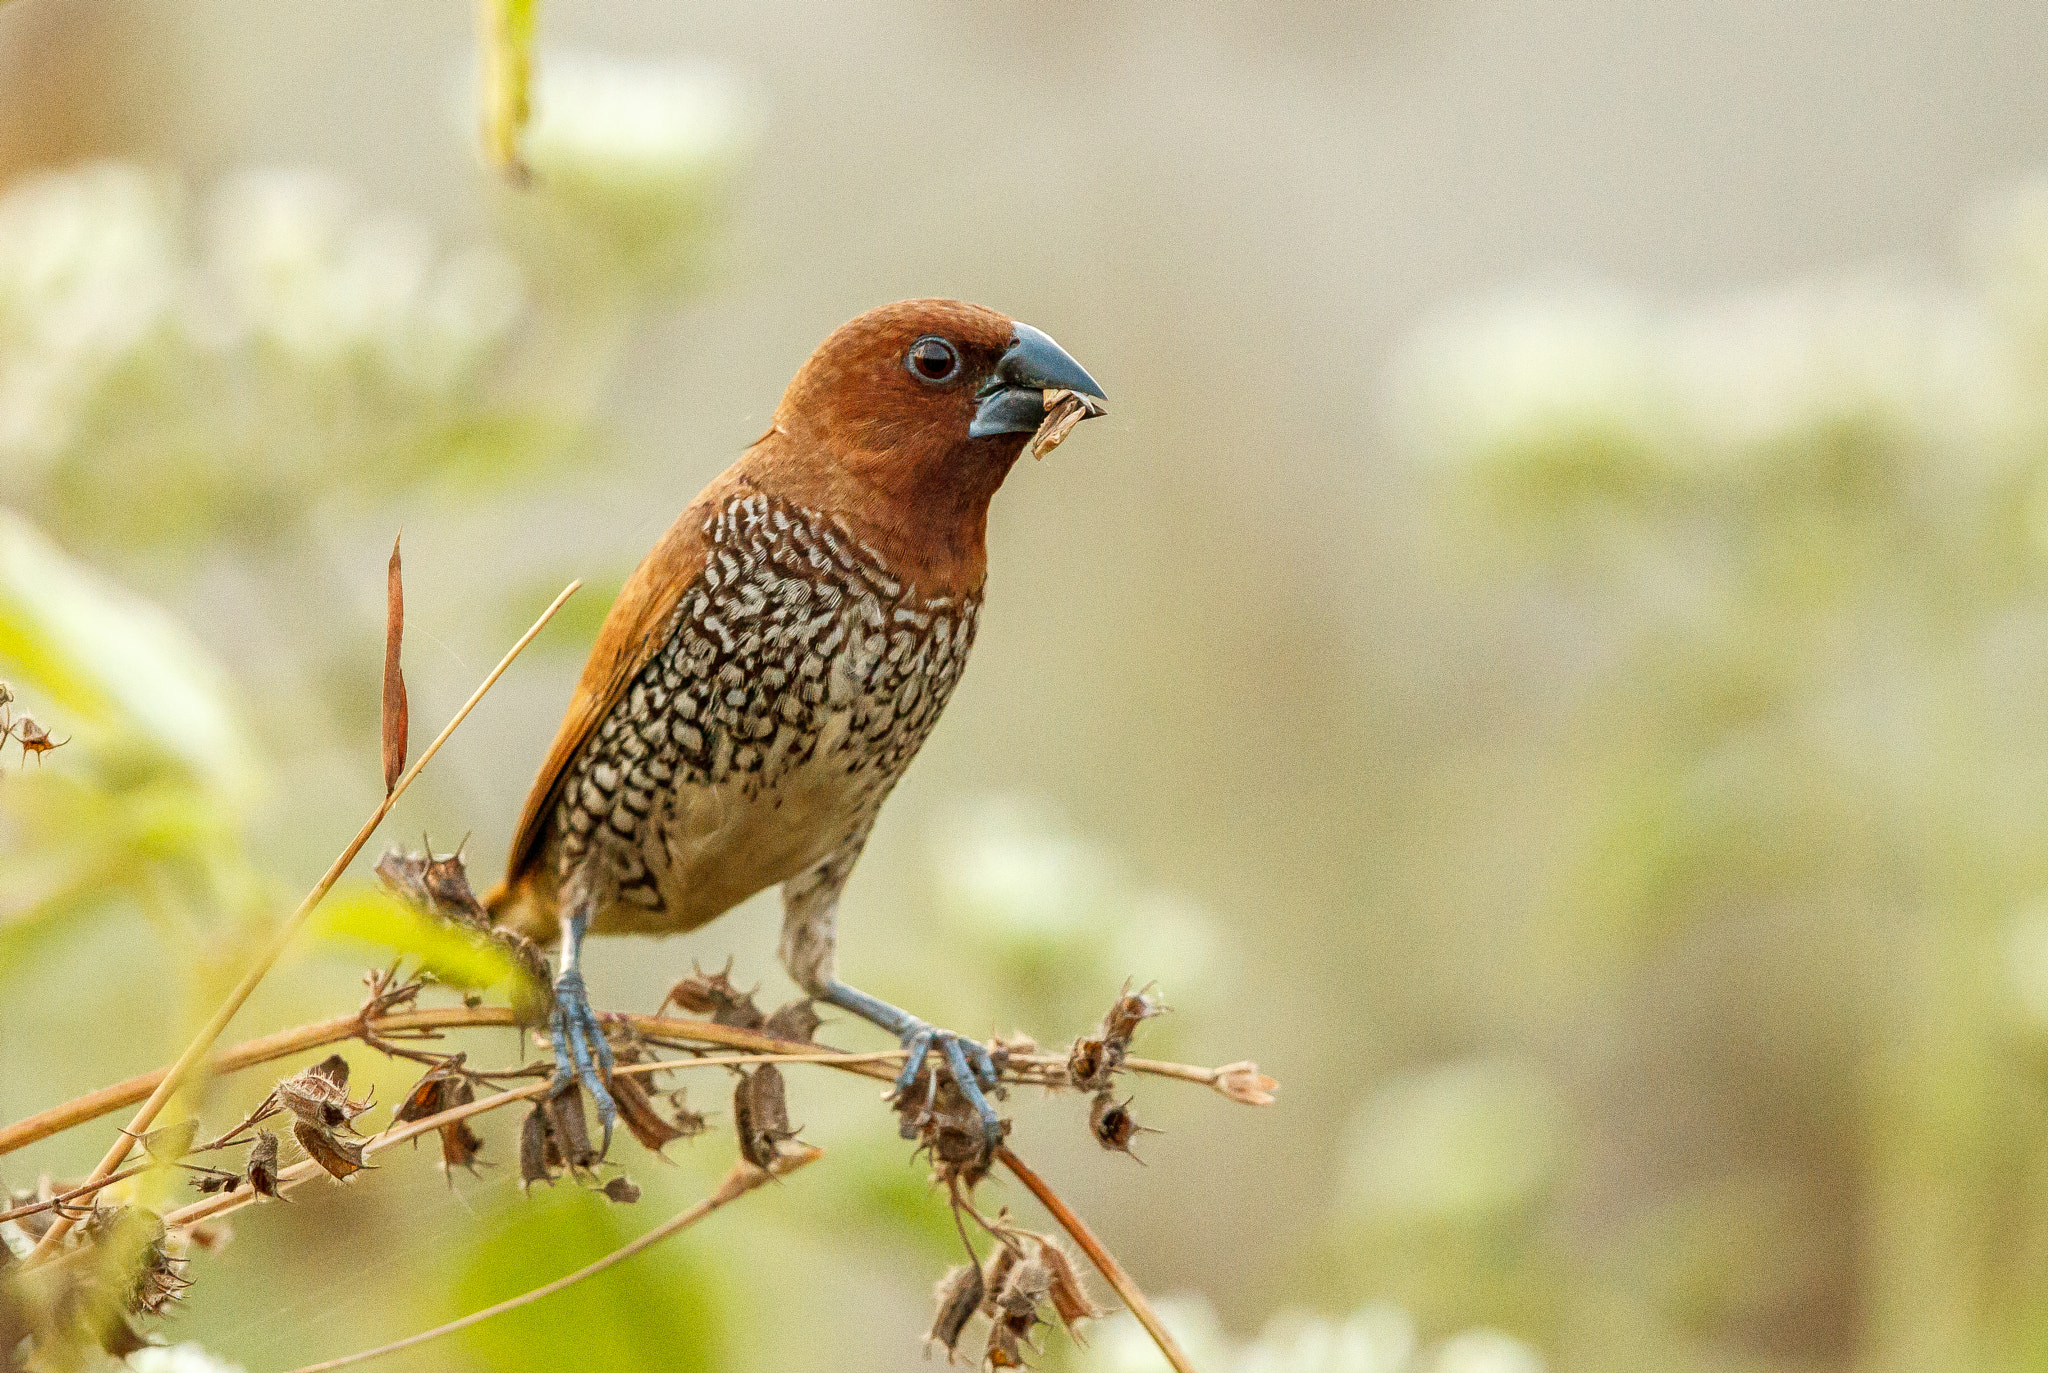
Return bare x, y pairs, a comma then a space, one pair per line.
655, 1029
1105, 1262
177, 1074
743, 1178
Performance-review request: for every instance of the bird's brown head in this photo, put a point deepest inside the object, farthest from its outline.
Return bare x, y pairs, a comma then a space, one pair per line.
909, 417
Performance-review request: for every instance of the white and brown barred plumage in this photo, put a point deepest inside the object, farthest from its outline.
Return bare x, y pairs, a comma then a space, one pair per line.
796, 681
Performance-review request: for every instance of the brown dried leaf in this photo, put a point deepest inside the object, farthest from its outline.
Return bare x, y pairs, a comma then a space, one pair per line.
622, 1190
958, 1296
394, 722
796, 1022
1063, 410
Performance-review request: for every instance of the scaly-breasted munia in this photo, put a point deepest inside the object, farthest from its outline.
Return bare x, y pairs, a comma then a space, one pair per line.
773, 665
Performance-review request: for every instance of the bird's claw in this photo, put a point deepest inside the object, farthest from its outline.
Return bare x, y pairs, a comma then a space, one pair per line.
581, 1053
973, 1071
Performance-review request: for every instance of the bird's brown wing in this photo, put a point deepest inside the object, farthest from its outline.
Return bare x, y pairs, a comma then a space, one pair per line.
632, 632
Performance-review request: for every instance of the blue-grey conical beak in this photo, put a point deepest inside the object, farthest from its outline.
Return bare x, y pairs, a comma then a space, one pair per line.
1013, 400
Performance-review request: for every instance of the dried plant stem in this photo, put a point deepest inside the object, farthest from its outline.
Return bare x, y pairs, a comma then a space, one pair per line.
743, 1178
73, 1195
180, 1071
1104, 1261
658, 1029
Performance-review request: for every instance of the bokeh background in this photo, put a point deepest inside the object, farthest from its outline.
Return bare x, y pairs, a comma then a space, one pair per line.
1548, 653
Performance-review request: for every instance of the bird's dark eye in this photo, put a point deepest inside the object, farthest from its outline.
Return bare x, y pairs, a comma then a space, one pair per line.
934, 360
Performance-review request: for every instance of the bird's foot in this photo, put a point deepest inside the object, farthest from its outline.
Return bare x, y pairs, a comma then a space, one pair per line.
581, 1053
968, 1063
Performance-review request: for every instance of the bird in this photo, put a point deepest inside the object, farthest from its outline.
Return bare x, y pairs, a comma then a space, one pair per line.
772, 666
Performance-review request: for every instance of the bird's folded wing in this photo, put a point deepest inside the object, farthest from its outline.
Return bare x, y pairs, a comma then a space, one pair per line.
633, 631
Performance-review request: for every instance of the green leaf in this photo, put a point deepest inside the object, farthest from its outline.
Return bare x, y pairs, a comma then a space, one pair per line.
365, 916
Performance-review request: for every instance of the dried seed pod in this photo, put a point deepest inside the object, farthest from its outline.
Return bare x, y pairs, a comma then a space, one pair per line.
534, 1148
1066, 1288
533, 993
958, 1296
689, 1124
760, 1112
568, 1131
459, 1143
448, 891
796, 1022
1131, 1010
995, 1272
434, 1092
33, 738
211, 1180
404, 874
622, 1190
713, 994
1243, 1082
636, 1109
1091, 1065
338, 1156
319, 1097
263, 1164
334, 1068
1114, 1125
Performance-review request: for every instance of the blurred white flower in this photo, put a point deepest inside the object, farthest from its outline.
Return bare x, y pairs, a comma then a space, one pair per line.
1373, 1339
179, 1358
1376, 1338
1768, 377
641, 153
1540, 386
301, 267
1119, 1344
1013, 868
89, 269
1484, 1351
1464, 1142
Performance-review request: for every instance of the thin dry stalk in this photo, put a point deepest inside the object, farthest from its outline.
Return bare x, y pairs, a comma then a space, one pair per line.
1105, 1262
743, 1178
179, 1071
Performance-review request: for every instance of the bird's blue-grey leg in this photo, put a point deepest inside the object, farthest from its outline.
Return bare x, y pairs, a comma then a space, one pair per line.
973, 1070
581, 1054
809, 950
